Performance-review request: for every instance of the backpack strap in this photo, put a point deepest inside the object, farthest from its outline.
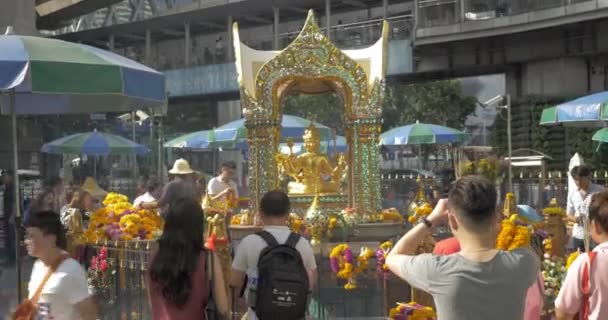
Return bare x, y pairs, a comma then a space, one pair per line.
586, 285
268, 238
292, 240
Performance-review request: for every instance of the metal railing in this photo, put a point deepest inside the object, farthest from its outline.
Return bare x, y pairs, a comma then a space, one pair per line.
347, 36
432, 13
127, 262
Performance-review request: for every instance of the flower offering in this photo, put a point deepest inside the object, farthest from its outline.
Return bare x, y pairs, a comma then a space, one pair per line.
514, 234
412, 311
118, 220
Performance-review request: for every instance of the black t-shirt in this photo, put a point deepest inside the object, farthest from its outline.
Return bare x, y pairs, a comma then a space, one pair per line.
174, 190
9, 201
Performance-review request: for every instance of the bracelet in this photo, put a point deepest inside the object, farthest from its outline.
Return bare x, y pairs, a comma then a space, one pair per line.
426, 222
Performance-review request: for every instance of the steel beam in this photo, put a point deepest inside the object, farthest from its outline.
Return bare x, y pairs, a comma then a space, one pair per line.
148, 48
107, 20
355, 3
208, 24
257, 19
137, 10
275, 29
187, 44
384, 9
295, 9
132, 36
328, 18
172, 32
111, 43
229, 45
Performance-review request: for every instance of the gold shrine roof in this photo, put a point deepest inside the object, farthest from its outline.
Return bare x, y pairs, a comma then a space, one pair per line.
369, 64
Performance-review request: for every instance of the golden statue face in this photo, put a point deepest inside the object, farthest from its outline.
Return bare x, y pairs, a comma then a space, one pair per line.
312, 138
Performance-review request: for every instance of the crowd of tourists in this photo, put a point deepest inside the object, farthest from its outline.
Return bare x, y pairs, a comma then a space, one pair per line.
275, 270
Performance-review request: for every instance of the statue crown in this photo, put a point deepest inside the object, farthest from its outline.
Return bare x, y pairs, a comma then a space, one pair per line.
312, 131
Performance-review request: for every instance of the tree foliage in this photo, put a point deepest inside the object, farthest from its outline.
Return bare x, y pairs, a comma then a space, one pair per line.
438, 102
323, 108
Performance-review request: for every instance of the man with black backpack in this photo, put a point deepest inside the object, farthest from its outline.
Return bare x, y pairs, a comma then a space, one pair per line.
277, 267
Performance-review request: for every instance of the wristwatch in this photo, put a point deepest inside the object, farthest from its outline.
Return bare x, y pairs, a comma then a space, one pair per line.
426, 222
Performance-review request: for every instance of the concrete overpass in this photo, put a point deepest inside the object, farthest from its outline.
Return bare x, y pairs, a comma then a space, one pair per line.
546, 48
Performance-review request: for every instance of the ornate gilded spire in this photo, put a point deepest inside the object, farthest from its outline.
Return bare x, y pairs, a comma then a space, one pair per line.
509, 206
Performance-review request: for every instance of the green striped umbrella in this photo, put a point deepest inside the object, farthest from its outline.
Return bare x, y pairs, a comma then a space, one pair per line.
194, 140
94, 143
421, 133
601, 135
586, 111
233, 135
50, 76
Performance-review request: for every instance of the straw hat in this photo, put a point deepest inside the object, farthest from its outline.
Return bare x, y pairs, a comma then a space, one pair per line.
181, 166
91, 186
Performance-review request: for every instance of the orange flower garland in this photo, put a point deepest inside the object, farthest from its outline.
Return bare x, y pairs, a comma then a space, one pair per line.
513, 236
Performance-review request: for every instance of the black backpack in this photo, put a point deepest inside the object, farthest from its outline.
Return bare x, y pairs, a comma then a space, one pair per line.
283, 288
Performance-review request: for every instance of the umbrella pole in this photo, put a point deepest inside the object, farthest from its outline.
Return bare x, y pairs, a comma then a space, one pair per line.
17, 194
135, 174
420, 157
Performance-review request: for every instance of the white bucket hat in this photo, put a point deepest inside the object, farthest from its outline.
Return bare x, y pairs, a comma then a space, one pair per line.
181, 166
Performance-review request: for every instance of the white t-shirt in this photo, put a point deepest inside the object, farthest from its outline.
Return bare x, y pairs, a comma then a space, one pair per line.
248, 253
216, 185
144, 198
65, 288
579, 206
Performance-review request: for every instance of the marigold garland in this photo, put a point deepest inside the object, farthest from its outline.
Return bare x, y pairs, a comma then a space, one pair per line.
342, 263
422, 211
512, 235
381, 254
571, 258
120, 221
363, 259
412, 311
391, 215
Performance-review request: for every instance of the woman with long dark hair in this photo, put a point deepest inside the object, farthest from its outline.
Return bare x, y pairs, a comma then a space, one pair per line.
178, 286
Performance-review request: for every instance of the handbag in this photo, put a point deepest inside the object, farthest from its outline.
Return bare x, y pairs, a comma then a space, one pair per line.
211, 310
586, 287
28, 309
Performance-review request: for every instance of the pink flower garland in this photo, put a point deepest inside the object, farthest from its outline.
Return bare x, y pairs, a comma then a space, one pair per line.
380, 261
336, 254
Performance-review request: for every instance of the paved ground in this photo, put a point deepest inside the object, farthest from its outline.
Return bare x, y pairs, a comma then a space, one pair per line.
8, 287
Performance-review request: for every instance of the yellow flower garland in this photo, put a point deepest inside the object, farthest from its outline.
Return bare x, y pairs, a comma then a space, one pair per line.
345, 268
391, 215
513, 236
421, 211
386, 247
363, 259
420, 312
341, 258
571, 258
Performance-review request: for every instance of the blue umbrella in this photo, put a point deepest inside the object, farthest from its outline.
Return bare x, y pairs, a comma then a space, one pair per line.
94, 143
529, 213
234, 134
591, 110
